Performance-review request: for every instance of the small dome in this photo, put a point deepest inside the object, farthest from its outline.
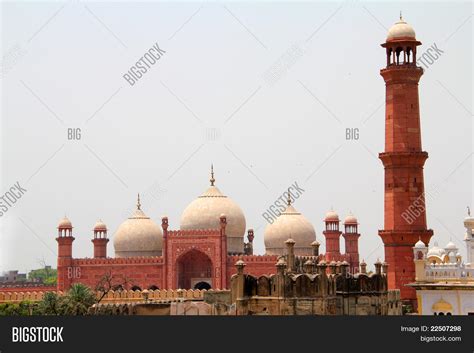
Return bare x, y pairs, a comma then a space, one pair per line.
436, 251
420, 245
138, 236
401, 30
65, 223
99, 225
205, 213
290, 224
331, 216
350, 219
469, 221
451, 246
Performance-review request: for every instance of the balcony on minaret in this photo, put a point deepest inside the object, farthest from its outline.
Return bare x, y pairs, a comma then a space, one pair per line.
401, 44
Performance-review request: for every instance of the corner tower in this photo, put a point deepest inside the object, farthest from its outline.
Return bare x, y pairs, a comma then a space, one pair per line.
403, 159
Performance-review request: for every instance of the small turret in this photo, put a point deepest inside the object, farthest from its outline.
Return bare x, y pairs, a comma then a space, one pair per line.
100, 240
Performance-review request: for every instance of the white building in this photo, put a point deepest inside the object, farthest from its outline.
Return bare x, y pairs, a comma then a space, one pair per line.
444, 283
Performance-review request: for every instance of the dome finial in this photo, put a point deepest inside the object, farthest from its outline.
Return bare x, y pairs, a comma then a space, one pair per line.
401, 18
289, 198
212, 180
139, 205
468, 211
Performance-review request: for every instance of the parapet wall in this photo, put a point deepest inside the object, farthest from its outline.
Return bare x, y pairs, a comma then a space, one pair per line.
123, 296
120, 260
17, 297
198, 232
252, 258
153, 295
29, 288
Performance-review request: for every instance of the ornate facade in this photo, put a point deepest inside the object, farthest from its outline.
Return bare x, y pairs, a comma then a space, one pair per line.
200, 255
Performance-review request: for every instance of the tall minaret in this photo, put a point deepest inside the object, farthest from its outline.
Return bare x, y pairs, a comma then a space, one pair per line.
351, 236
403, 160
469, 237
65, 240
100, 240
332, 235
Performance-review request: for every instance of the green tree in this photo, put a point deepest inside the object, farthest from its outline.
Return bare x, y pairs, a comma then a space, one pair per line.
18, 309
46, 275
78, 299
51, 304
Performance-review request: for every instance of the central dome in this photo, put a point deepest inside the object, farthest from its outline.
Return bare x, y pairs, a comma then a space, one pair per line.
138, 236
205, 212
290, 224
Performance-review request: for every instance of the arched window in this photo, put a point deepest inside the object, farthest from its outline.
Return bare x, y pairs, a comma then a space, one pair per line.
409, 55
153, 287
134, 288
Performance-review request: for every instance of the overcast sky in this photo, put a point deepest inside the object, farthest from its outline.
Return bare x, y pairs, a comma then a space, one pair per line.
208, 100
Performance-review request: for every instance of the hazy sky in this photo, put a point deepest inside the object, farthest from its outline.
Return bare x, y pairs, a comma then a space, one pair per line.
208, 100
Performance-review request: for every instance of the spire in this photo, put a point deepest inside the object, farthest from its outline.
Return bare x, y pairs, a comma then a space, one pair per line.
468, 211
139, 205
212, 180
401, 18
289, 198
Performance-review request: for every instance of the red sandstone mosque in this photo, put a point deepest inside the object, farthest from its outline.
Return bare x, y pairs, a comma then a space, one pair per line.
203, 252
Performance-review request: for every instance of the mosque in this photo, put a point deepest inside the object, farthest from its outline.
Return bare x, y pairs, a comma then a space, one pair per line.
202, 253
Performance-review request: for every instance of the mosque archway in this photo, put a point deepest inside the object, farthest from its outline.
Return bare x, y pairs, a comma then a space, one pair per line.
193, 267
202, 285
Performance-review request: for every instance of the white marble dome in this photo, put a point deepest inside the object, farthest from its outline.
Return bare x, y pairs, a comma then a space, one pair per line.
420, 245
436, 251
290, 224
469, 220
450, 246
401, 30
205, 212
138, 236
